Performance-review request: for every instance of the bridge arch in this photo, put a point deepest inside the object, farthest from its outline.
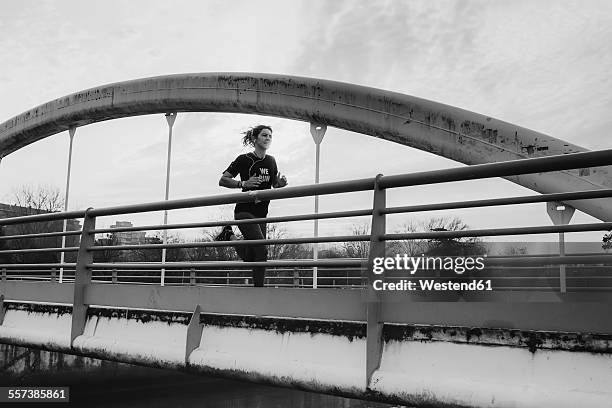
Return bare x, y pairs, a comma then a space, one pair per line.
444, 130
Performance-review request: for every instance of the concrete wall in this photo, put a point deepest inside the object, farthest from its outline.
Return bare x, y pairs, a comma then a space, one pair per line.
420, 366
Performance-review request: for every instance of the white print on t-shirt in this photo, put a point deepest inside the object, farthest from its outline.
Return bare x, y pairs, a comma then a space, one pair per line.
264, 175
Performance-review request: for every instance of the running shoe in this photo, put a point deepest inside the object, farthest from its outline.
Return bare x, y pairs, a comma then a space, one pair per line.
225, 234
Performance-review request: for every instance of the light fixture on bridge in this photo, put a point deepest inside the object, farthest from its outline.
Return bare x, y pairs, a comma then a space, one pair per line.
317, 130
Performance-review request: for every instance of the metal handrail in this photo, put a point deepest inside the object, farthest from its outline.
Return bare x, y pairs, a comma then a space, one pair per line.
204, 244
547, 229
43, 217
302, 217
500, 169
38, 250
41, 235
229, 264
542, 198
479, 171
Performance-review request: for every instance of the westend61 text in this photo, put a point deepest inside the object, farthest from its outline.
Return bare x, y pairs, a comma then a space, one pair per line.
431, 284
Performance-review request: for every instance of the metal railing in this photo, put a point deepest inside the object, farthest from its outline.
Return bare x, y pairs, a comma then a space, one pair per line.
88, 282
85, 259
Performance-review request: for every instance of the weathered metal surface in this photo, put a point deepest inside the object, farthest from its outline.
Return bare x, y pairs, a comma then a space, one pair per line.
348, 329
82, 277
140, 315
374, 342
444, 130
531, 339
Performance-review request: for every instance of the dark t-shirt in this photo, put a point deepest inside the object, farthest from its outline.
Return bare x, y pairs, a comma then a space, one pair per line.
249, 165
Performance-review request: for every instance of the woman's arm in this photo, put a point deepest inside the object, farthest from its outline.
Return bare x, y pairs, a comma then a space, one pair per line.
227, 180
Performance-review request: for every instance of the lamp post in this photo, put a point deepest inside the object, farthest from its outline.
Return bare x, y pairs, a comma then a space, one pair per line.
170, 118
317, 130
71, 132
560, 214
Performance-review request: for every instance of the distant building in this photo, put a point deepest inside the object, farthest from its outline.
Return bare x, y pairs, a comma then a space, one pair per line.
128, 237
10, 211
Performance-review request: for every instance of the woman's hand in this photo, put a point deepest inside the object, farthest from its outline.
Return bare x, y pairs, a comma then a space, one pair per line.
252, 183
281, 180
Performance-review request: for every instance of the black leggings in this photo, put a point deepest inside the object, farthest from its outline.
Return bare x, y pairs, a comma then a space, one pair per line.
250, 253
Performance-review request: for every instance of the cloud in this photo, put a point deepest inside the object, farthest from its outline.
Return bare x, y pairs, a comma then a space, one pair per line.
523, 62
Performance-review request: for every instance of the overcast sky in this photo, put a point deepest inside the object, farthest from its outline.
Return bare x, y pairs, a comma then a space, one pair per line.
544, 65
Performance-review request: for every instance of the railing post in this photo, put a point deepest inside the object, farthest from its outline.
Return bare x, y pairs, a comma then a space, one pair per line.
114, 276
560, 214
3, 275
373, 298
82, 276
53, 274
192, 277
2, 310
296, 278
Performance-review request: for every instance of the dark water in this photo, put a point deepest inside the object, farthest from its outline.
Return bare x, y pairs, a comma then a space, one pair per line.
152, 388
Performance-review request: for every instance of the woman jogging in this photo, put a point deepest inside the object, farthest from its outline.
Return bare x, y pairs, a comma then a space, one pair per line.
257, 171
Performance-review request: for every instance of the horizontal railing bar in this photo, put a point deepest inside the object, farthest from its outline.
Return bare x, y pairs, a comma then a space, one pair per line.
135, 277
539, 255
275, 269
552, 260
501, 169
304, 217
38, 265
245, 197
38, 250
550, 289
230, 264
578, 195
43, 217
40, 235
240, 242
48, 270
548, 229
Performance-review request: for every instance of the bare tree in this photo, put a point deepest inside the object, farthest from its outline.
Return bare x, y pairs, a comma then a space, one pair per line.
29, 200
284, 251
415, 247
452, 246
38, 200
607, 241
357, 249
412, 247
